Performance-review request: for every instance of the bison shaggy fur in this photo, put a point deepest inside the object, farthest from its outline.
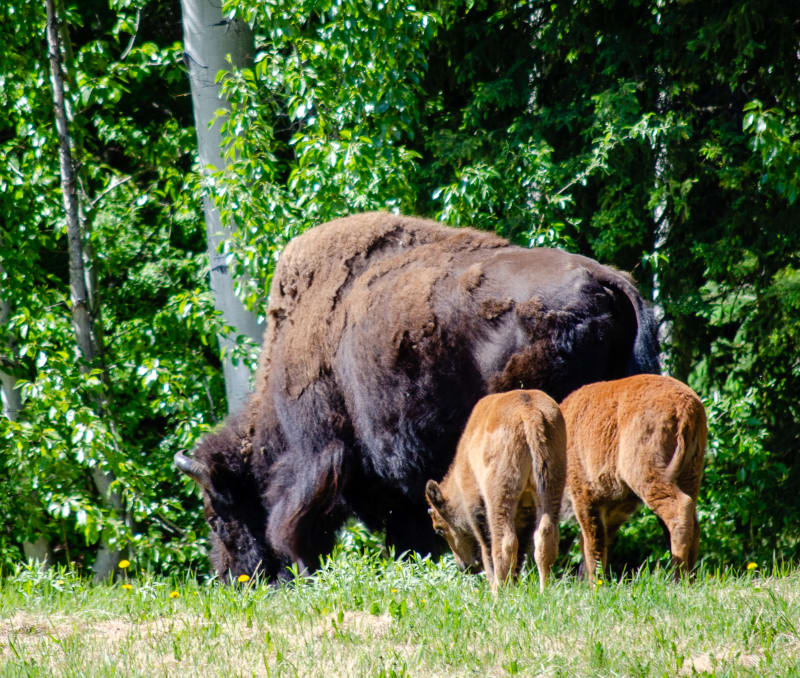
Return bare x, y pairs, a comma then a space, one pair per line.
383, 332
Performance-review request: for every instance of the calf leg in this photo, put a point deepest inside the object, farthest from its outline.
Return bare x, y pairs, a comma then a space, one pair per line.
677, 510
525, 527
504, 551
695, 542
502, 492
545, 541
593, 538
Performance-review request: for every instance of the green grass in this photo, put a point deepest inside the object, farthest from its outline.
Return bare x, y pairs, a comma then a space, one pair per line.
362, 615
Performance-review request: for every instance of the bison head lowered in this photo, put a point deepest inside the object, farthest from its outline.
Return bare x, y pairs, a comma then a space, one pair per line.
233, 507
383, 332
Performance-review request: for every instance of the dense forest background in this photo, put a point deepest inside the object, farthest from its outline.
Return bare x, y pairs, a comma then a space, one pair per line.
662, 137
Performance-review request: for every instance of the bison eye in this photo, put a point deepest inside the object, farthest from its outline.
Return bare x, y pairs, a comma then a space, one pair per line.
439, 531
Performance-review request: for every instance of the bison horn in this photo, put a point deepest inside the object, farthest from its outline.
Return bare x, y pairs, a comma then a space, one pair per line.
196, 470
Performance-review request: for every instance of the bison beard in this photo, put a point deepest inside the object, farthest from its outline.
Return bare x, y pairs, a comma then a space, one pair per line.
383, 332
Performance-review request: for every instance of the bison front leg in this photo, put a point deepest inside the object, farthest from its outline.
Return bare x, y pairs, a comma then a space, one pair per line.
408, 528
306, 505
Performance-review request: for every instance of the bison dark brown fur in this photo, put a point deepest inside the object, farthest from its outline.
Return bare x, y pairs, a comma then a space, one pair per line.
383, 332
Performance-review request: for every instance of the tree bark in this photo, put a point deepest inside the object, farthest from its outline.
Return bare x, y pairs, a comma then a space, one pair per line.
209, 39
663, 227
84, 324
38, 550
8, 382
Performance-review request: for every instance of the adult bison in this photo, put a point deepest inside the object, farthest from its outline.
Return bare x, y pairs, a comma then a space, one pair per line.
383, 332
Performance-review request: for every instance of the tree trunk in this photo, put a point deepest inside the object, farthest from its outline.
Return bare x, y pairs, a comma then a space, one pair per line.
39, 550
209, 40
662, 231
663, 226
8, 391
86, 327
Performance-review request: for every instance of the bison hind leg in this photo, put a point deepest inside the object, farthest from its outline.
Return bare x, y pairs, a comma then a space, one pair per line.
526, 524
593, 538
503, 542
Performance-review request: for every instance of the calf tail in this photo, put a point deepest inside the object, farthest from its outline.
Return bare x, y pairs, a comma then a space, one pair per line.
676, 464
547, 445
690, 444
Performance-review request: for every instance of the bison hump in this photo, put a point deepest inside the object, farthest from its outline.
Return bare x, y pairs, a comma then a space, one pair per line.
322, 282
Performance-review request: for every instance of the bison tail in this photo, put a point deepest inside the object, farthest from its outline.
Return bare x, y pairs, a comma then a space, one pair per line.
644, 357
646, 349
676, 464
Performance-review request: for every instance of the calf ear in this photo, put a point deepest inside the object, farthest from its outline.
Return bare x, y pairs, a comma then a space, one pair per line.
433, 493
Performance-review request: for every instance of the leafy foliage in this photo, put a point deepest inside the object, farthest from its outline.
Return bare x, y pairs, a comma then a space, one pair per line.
146, 240
661, 138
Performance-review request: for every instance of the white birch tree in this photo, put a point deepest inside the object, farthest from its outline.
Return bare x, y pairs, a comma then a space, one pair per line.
39, 549
212, 44
85, 309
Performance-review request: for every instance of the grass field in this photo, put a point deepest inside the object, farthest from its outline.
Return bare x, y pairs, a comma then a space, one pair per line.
362, 615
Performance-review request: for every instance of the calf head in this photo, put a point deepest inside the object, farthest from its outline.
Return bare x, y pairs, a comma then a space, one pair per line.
455, 528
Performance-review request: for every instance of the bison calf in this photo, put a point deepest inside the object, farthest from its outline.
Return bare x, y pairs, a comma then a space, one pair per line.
508, 476
633, 440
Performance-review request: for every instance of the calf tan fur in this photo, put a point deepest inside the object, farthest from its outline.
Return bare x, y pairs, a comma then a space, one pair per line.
633, 440
506, 479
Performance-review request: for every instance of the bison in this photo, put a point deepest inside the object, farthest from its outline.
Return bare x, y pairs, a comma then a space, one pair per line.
504, 486
634, 440
383, 332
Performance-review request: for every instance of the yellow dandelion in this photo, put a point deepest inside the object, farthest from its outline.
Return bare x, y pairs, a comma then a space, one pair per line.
242, 578
394, 590
752, 566
127, 587
124, 564
174, 594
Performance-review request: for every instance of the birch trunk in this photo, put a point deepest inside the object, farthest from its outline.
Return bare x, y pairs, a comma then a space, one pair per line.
663, 226
86, 328
208, 41
8, 391
38, 550
662, 231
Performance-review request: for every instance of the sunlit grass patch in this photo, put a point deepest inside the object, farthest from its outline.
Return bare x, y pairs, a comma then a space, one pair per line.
365, 615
